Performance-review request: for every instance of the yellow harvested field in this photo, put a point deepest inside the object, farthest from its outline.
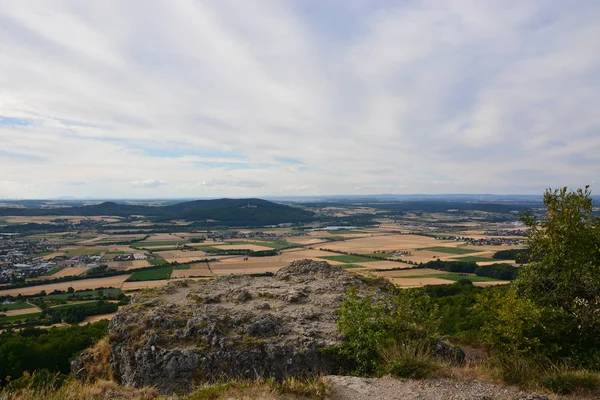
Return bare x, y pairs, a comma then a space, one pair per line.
416, 282
127, 265
370, 244
423, 271
383, 265
113, 281
484, 263
71, 271
49, 218
175, 254
253, 247
24, 311
194, 270
491, 283
256, 265
52, 255
305, 240
97, 318
162, 237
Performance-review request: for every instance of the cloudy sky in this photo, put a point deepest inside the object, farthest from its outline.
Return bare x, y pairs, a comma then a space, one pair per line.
188, 98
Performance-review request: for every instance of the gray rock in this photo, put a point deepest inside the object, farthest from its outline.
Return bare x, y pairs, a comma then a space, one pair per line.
234, 327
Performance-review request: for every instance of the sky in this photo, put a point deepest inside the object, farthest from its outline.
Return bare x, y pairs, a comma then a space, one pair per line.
187, 98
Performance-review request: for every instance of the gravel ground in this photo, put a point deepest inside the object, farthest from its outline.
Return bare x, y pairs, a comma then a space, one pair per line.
388, 388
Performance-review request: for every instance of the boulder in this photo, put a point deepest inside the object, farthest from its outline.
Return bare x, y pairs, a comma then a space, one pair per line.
235, 327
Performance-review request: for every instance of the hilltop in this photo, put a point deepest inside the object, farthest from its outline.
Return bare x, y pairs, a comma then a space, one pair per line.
231, 212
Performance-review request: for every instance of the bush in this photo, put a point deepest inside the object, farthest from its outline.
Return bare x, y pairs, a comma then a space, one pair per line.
370, 327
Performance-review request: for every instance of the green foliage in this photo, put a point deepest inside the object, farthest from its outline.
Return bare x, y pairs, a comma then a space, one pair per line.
503, 272
369, 327
475, 259
73, 313
514, 324
521, 256
455, 303
35, 349
565, 272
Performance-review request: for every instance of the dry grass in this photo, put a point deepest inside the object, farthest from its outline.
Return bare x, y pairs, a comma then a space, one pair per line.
74, 390
291, 388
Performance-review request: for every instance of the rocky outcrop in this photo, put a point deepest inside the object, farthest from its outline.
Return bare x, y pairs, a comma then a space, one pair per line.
233, 327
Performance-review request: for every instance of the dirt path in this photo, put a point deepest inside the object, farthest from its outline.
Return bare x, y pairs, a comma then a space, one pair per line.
387, 388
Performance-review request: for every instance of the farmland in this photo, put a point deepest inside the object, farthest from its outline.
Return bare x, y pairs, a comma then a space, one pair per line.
151, 274
347, 259
387, 247
450, 250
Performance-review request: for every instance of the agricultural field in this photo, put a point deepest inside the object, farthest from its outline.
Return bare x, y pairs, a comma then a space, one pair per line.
455, 277
181, 256
69, 271
128, 265
476, 259
15, 306
20, 316
92, 283
151, 274
348, 259
450, 250
244, 246
52, 271
370, 244
193, 270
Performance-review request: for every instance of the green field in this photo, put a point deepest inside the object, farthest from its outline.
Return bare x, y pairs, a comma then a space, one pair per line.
351, 266
151, 274
474, 259
15, 306
186, 266
53, 271
346, 231
17, 317
450, 250
158, 261
83, 251
348, 258
140, 245
451, 277
274, 244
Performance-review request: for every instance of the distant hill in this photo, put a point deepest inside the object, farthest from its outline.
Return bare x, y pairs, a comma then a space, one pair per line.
234, 212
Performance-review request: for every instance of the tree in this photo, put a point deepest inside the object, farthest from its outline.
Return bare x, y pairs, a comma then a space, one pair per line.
553, 309
565, 250
70, 289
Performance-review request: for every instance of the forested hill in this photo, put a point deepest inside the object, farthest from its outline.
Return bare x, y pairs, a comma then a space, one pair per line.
227, 211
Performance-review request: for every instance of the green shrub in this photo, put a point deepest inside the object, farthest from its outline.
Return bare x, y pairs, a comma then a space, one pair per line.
370, 327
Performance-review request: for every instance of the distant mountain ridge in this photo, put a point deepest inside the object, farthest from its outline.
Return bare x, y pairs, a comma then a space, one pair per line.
229, 211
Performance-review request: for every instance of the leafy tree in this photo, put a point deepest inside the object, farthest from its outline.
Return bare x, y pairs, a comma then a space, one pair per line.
553, 310
565, 245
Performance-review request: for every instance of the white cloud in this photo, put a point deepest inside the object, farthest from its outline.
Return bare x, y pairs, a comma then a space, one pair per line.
148, 183
458, 96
